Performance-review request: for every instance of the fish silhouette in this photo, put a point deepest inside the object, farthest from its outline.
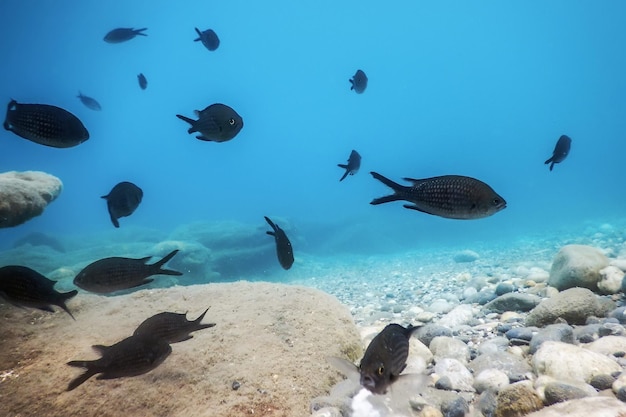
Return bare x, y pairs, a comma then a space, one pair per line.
123, 34
171, 327
561, 150
283, 245
354, 163
208, 38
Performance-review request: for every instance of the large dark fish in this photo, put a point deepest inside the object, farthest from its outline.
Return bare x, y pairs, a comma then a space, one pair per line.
114, 274
89, 102
283, 245
45, 125
359, 82
25, 287
39, 239
354, 163
208, 38
143, 82
132, 356
561, 150
123, 34
217, 123
449, 196
171, 327
123, 200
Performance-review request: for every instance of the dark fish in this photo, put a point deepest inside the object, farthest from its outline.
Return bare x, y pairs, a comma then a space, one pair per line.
143, 83
45, 125
123, 200
132, 356
359, 82
39, 239
217, 123
208, 38
561, 150
171, 327
89, 102
449, 196
283, 245
25, 287
114, 274
123, 34
354, 163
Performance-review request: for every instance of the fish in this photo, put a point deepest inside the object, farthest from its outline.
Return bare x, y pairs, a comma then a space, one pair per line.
448, 196
123, 34
117, 273
90, 103
143, 83
354, 163
123, 200
39, 239
25, 287
359, 82
283, 245
171, 327
135, 355
561, 150
208, 38
45, 124
216, 123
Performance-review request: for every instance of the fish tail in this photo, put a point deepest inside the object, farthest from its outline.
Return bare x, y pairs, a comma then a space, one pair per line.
64, 297
199, 319
163, 261
391, 184
82, 378
188, 120
345, 174
410, 329
199, 34
271, 223
139, 31
549, 160
6, 124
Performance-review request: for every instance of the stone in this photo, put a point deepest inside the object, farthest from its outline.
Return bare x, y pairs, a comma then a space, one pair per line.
611, 278
619, 314
513, 366
440, 306
465, 256
482, 297
460, 378
557, 392
577, 266
24, 195
513, 302
427, 333
504, 288
487, 403
608, 345
569, 362
517, 400
455, 408
327, 412
490, 379
602, 382
584, 407
459, 315
448, 347
574, 305
557, 332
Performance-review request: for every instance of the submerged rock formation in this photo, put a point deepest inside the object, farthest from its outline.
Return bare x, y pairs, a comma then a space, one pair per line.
24, 195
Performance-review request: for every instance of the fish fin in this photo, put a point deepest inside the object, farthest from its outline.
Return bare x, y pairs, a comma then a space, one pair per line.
551, 166
159, 264
414, 207
415, 181
200, 317
345, 174
114, 221
186, 119
139, 31
347, 368
549, 160
6, 124
82, 378
100, 348
352, 84
272, 224
271, 233
64, 297
344, 166
204, 138
385, 199
393, 185
199, 35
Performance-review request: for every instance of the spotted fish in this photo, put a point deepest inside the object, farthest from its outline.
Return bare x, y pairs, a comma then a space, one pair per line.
561, 150
117, 273
123, 34
208, 38
132, 356
45, 124
449, 196
283, 245
354, 163
25, 287
359, 82
171, 327
216, 123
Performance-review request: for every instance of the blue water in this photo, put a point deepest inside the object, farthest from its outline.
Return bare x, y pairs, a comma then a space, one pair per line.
482, 89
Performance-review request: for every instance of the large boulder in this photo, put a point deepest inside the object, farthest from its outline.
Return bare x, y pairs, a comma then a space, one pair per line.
584, 407
574, 305
24, 195
577, 266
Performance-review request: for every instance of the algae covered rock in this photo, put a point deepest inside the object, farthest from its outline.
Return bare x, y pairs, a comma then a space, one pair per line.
574, 306
24, 195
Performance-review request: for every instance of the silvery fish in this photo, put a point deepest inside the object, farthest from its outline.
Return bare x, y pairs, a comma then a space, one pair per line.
44, 124
354, 163
171, 327
359, 82
449, 196
283, 245
208, 38
123, 34
123, 200
89, 102
132, 356
561, 150
217, 123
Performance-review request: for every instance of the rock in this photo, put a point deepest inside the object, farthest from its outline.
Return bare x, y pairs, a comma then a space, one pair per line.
555, 332
538, 275
619, 314
573, 305
517, 400
490, 379
611, 278
444, 383
440, 306
327, 412
602, 382
577, 266
584, 407
521, 335
466, 256
512, 365
448, 347
608, 345
621, 394
557, 392
427, 333
455, 408
461, 314
24, 195
587, 333
460, 378
497, 344
569, 362
487, 403
504, 288
482, 297
513, 302
469, 292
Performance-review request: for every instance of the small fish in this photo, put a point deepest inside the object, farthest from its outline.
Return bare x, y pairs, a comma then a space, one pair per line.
171, 327
123, 200
39, 239
117, 273
449, 196
123, 34
132, 356
561, 150
359, 82
217, 123
143, 83
25, 287
44, 124
283, 245
354, 163
208, 38
89, 102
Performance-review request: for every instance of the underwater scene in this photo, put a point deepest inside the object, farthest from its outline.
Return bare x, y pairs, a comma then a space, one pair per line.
327, 209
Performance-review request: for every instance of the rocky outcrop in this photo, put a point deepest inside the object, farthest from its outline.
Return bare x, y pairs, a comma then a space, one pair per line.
24, 195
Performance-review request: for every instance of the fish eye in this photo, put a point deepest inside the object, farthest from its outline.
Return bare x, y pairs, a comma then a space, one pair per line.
496, 201
231, 121
381, 370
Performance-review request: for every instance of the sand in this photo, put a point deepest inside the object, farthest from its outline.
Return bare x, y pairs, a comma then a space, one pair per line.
271, 338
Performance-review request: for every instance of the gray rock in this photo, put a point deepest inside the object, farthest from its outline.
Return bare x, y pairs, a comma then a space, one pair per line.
427, 333
587, 333
557, 392
448, 347
611, 279
577, 266
455, 408
521, 333
482, 297
460, 378
555, 332
504, 288
511, 365
24, 195
602, 382
487, 403
459, 315
327, 412
513, 302
444, 383
573, 305
621, 394
497, 344
466, 256
619, 314
490, 380
584, 407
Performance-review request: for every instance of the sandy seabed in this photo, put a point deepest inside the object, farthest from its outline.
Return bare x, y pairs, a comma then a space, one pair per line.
272, 339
